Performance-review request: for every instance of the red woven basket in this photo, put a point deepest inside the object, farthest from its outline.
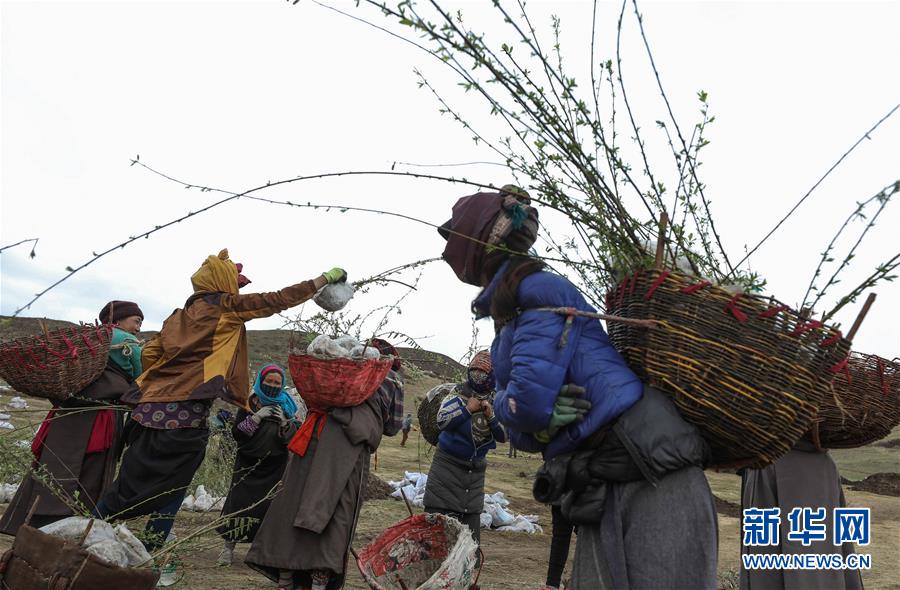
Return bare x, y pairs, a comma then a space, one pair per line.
340, 383
425, 551
57, 364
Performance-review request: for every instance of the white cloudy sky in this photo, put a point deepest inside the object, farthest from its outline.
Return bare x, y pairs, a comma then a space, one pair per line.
233, 95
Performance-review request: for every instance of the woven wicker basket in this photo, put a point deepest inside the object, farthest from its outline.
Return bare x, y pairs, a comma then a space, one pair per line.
425, 551
428, 411
747, 370
337, 382
864, 405
57, 364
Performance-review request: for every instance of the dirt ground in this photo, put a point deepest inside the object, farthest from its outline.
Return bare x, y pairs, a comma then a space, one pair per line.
517, 560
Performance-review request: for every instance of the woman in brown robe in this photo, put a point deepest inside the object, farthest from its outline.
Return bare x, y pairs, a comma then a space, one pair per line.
804, 477
78, 445
305, 536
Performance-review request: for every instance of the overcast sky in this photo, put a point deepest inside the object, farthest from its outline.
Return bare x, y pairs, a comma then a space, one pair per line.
233, 95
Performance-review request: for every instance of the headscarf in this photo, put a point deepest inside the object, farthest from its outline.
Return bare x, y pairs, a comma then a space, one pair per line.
282, 398
128, 357
242, 280
217, 274
117, 310
482, 220
480, 373
385, 347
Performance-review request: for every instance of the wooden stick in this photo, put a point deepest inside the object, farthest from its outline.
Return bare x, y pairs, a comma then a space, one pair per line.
78, 573
661, 240
406, 501
862, 315
31, 510
87, 531
354, 554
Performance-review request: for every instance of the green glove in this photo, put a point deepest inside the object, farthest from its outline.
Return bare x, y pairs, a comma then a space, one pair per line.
335, 275
568, 408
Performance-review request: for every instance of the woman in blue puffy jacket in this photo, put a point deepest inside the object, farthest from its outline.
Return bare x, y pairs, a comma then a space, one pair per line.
619, 459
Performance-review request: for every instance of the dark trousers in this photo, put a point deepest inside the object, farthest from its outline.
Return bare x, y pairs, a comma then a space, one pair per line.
559, 547
405, 436
473, 521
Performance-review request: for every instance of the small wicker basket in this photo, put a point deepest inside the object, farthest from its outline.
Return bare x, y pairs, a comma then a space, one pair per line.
336, 383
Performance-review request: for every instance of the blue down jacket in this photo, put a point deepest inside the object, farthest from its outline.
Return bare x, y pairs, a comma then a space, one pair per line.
531, 367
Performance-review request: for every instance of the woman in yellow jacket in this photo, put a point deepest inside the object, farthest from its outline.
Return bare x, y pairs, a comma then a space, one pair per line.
199, 355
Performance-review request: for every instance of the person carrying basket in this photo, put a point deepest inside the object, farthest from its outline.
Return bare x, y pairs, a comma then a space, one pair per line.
304, 539
624, 465
77, 446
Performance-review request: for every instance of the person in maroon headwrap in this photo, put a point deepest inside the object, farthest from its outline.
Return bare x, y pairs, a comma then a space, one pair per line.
77, 446
619, 459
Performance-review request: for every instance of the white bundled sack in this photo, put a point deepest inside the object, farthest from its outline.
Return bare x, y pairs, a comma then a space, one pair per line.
335, 296
499, 516
361, 352
72, 529
109, 551
522, 524
135, 551
188, 503
7, 491
346, 341
485, 519
17, 403
498, 498
324, 347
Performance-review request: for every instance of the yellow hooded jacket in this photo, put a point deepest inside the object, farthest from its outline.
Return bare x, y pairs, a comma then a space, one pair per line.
201, 351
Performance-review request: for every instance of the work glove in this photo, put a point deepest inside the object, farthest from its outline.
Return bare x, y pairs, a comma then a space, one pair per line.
335, 275
281, 416
264, 412
569, 408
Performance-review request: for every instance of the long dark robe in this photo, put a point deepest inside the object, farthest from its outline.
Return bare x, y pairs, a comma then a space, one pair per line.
311, 521
802, 477
75, 476
157, 467
258, 466
643, 539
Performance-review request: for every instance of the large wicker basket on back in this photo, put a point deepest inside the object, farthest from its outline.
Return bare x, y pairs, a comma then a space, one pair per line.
865, 403
748, 371
57, 364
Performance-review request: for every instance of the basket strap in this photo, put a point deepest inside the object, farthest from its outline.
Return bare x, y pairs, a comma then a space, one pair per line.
695, 287
833, 340
732, 308
805, 327
659, 281
772, 311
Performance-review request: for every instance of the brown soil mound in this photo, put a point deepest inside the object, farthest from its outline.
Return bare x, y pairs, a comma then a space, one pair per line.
377, 488
886, 484
726, 508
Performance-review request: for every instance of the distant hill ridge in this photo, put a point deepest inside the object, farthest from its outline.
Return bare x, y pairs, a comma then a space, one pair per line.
266, 346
